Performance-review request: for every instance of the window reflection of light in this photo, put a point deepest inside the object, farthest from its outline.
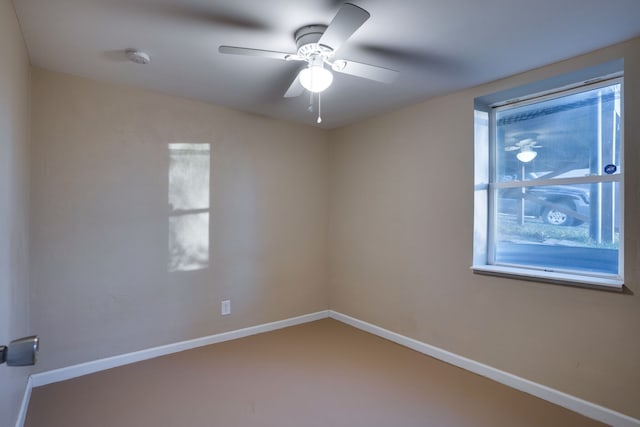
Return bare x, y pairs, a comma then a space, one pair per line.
189, 167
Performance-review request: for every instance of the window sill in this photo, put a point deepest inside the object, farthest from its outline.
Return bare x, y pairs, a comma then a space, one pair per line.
550, 277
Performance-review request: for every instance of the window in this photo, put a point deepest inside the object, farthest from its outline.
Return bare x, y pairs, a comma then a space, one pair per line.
549, 177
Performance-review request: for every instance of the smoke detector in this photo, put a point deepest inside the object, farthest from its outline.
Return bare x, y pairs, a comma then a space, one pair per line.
138, 56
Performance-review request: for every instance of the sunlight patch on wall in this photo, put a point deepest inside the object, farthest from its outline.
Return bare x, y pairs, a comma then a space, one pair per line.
189, 170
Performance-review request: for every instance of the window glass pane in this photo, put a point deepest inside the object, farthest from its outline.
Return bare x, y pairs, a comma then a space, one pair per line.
558, 227
564, 137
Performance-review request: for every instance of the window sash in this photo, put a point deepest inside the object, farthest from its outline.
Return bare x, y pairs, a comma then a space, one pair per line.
563, 275
590, 179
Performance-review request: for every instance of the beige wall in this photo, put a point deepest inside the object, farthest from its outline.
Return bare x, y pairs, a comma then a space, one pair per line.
14, 212
401, 218
100, 279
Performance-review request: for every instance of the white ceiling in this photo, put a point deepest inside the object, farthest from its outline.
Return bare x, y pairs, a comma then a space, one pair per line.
438, 46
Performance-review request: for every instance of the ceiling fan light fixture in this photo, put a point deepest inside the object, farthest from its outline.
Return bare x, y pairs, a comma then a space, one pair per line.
526, 155
316, 78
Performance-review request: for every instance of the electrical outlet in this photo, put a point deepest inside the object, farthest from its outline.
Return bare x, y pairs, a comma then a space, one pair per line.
225, 307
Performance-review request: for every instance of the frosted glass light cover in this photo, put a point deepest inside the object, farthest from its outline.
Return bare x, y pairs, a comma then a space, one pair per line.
525, 156
316, 78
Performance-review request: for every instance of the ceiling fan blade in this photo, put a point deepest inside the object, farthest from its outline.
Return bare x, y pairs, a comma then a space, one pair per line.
371, 72
192, 13
234, 50
348, 19
412, 57
295, 89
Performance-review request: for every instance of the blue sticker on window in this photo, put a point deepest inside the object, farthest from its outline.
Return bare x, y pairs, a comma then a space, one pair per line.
609, 169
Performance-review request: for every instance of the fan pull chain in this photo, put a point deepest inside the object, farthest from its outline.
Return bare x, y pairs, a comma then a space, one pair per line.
319, 108
310, 108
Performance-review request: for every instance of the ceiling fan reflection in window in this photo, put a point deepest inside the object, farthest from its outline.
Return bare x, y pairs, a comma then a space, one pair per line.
316, 46
525, 147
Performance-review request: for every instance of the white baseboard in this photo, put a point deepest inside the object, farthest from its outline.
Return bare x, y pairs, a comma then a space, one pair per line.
86, 368
559, 398
22, 414
588, 409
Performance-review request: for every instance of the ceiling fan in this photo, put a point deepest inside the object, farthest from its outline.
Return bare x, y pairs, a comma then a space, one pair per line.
527, 143
525, 148
316, 46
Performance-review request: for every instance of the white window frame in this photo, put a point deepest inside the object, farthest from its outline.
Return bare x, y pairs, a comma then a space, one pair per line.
486, 183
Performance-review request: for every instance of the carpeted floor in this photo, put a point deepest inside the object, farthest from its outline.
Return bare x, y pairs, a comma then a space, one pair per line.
320, 374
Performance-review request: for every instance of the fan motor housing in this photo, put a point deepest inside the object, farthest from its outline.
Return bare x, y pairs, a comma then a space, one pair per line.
307, 41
